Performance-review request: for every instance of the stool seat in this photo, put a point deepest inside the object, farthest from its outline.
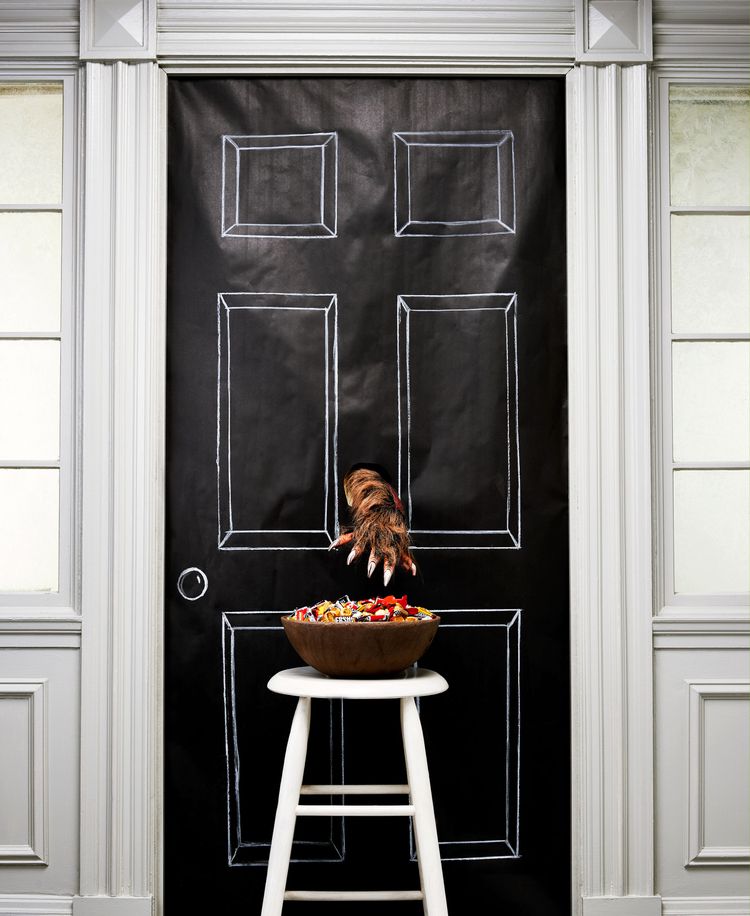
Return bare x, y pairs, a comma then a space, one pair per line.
307, 682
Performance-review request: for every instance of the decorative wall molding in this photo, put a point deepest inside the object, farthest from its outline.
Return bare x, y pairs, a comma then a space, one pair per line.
403, 64
610, 493
40, 633
706, 906
346, 34
112, 906
123, 432
341, 34
45, 28
708, 621
42, 624
622, 906
613, 31
700, 692
704, 31
701, 640
35, 905
34, 851
686, 627
118, 29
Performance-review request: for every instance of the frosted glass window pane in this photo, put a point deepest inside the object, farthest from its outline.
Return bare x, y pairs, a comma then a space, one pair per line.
711, 401
709, 145
29, 524
31, 117
29, 399
711, 531
710, 273
30, 257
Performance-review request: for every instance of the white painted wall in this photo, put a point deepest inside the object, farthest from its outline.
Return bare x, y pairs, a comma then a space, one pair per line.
625, 859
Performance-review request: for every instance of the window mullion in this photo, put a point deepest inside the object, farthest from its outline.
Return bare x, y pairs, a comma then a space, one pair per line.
710, 465
29, 463
30, 335
713, 337
724, 210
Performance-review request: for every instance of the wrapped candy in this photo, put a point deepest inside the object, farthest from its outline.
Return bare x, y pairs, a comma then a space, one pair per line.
368, 610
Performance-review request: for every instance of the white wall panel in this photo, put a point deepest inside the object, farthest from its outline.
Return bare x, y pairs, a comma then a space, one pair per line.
718, 768
39, 753
702, 745
24, 767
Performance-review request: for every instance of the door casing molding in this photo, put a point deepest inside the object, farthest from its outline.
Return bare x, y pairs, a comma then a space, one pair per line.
610, 491
124, 359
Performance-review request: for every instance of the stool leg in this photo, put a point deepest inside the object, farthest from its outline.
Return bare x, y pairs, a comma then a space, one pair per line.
428, 850
283, 826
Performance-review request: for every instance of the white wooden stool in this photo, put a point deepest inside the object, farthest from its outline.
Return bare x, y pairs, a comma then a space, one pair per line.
307, 683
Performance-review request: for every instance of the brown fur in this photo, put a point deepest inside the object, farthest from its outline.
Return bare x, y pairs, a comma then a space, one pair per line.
379, 523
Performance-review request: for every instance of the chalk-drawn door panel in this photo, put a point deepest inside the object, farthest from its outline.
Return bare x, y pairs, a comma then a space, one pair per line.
367, 270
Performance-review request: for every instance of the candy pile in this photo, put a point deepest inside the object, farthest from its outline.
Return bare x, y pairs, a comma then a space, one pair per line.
368, 610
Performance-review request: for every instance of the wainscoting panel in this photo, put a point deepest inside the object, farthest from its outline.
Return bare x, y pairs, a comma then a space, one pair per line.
702, 761
39, 769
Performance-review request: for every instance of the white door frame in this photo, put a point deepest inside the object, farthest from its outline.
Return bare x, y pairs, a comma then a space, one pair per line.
124, 378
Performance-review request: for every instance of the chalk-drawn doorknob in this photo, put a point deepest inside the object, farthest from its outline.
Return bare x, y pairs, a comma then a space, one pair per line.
192, 583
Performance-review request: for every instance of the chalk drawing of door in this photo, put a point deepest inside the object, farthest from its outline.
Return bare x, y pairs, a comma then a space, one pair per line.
367, 270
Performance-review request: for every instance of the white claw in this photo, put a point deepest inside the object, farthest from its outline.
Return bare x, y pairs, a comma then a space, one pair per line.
352, 556
413, 569
371, 568
387, 573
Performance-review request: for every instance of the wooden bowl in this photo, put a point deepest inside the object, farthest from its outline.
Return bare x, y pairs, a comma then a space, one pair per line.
360, 649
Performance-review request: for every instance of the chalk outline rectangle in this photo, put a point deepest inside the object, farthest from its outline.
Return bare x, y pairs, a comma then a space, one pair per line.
232, 146
512, 715
228, 537
441, 229
512, 824
508, 538
239, 852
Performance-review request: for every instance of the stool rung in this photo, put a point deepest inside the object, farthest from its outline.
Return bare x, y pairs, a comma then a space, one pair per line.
353, 895
354, 810
353, 790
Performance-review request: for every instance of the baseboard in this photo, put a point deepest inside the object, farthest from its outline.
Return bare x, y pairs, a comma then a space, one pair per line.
706, 906
112, 906
35, 905
622, 906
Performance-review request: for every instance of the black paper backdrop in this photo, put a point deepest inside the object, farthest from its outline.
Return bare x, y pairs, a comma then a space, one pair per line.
313, 205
